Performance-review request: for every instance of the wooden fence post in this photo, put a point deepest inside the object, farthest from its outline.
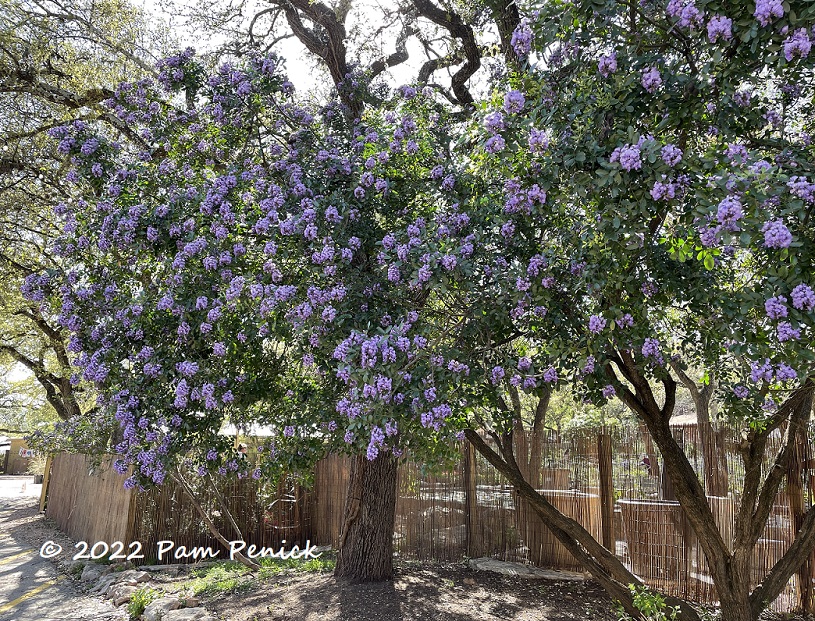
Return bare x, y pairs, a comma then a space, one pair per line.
44, 491
470, 498
606, 490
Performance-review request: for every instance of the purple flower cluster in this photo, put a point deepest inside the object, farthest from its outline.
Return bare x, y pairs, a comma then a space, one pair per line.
671, 155
607, 64
651, 349
803, 297
785, 332
514, 102
651, 79
729, 211
802, 188
797, 45
766, 10
494, 122
538, 140
596, 324
761, 371
522, 38
719, 27
495, 144
776, 234
686, 12
776, 307
628, 156
663, 190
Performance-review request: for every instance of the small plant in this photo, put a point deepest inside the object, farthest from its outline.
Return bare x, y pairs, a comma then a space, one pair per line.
36, 464
226, 577
270, 567
651, 605
140, 600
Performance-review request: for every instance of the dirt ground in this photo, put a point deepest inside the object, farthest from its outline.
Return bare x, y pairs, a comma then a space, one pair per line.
419, 592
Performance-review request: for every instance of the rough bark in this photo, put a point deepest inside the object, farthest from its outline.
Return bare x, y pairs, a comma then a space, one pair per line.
366, 540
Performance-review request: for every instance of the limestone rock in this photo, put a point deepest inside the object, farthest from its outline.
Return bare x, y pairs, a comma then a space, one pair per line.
189, 614
133, 576
92, 572
160, 608
522, 571
120, 593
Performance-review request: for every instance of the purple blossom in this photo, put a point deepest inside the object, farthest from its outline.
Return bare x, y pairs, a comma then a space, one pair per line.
494, 122
803, 297
651, 349
686, 12
522, 38
776, 307
741, 391
187, 368
736, 151
609, 391
719, 27
218, 349
776, 234
663, 190
786, 332
767, 9
495, 144
671, 155
802, 188
288, 431
626, 321
651, 80
596, 324
514, 102
797, 45
607, 64
628, 156
743, 97
508, 229
649, 289
538, 140
497, 374
729, 211
785, 373
550, 375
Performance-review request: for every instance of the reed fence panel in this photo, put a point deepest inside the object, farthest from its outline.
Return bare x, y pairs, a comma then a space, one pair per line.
472, 511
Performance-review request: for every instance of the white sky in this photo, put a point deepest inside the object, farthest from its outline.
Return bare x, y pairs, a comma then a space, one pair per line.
363, 19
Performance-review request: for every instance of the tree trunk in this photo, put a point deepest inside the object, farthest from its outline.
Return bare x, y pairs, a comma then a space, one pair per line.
366, 541
735, 606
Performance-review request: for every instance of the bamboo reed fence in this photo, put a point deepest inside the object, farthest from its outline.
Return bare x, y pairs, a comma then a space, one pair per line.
610, 480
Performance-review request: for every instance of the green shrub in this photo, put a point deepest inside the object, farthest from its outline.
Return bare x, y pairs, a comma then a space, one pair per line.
650, 604
140, 600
